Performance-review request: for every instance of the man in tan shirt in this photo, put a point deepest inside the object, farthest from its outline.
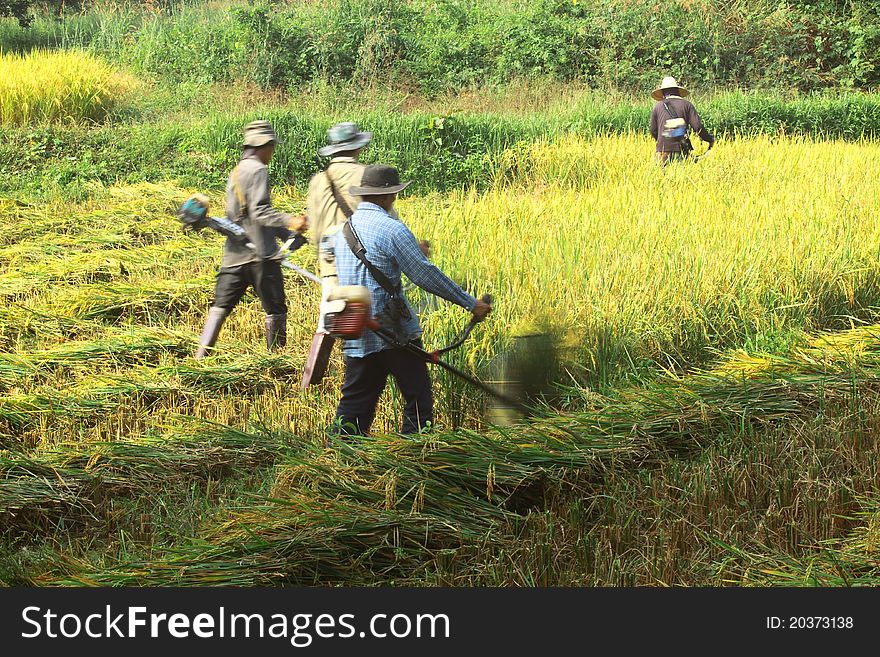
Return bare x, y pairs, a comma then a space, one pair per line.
330, 204
343, 171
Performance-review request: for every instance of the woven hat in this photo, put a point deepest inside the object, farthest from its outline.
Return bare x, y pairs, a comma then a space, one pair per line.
668, 83
259, 133
379, 179
344, 137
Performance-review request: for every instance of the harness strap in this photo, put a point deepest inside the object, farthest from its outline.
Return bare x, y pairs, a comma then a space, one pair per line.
357, 247
685, 145
340, 201
242, 203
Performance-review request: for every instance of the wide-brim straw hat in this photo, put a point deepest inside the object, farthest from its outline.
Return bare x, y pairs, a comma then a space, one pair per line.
668, 82
379, 179
345, 137
259, 133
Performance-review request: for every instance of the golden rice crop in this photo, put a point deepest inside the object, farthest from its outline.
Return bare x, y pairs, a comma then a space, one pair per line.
44, 87
634, 261
633, 264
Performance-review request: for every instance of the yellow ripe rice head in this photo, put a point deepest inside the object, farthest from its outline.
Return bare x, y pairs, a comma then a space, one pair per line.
49, 87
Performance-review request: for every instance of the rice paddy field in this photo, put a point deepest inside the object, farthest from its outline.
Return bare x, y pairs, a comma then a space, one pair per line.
45, 86
714, 413
715, 417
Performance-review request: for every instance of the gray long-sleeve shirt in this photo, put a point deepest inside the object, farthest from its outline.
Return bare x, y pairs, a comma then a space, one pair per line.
263, 223
684, 109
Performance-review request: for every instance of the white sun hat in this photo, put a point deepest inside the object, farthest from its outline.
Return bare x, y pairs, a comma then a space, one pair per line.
669, 82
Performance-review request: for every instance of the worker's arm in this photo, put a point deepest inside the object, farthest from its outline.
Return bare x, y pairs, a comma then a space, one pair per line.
696, 124
427, 276
654, 112
317, 200
260, 208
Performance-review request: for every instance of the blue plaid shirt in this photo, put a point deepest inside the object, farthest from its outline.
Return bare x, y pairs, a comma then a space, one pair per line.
392, 248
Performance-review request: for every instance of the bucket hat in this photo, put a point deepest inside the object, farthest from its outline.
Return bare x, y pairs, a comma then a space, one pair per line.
668, 83
344, 137
259, 133
379, 179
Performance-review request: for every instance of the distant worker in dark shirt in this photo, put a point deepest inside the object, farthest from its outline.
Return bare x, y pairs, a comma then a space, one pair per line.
671, 120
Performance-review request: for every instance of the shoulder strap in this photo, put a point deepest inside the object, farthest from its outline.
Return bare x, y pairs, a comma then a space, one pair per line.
357, 247
686, 146
669, 110
242, 203
346, 209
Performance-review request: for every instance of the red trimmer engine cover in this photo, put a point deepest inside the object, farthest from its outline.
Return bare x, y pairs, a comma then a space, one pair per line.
350, 323
347, 311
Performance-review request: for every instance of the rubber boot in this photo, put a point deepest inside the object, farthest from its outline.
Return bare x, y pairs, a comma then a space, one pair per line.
276, 331
216, 317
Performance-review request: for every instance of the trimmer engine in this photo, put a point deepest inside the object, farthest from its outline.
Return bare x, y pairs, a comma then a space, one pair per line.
347, 311
193, 214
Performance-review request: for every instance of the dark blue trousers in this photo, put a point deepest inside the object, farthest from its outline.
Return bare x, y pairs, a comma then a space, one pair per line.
364, 382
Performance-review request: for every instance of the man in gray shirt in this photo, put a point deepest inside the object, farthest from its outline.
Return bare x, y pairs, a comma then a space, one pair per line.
248, 203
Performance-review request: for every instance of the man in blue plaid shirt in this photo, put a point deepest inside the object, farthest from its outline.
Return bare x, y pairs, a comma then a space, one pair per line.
391, 248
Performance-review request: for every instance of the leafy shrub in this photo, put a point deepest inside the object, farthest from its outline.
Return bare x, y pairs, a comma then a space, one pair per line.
447, 44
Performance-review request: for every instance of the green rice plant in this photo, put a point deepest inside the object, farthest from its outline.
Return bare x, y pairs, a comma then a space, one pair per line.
107, 300
13, 370
31, 490
646, 274
847, 561
75, 478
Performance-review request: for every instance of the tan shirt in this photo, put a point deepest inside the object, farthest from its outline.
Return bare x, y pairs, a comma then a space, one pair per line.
263, 223
323, 211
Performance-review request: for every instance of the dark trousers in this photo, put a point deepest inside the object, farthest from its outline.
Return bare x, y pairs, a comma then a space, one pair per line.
667, 157
266, 279
365, 380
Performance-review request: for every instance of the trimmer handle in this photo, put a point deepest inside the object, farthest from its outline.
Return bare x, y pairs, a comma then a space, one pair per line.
486, 298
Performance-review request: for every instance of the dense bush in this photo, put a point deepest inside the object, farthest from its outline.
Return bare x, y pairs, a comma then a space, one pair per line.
442, 44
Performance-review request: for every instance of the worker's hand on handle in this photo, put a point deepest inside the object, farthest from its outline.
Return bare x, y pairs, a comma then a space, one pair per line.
425, 246
298, 223
482, 308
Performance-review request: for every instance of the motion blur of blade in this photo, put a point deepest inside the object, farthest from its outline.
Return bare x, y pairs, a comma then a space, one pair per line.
524, 372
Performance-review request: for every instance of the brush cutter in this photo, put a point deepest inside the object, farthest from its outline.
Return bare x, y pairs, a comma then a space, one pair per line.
193, 214
348, 316
348, 308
